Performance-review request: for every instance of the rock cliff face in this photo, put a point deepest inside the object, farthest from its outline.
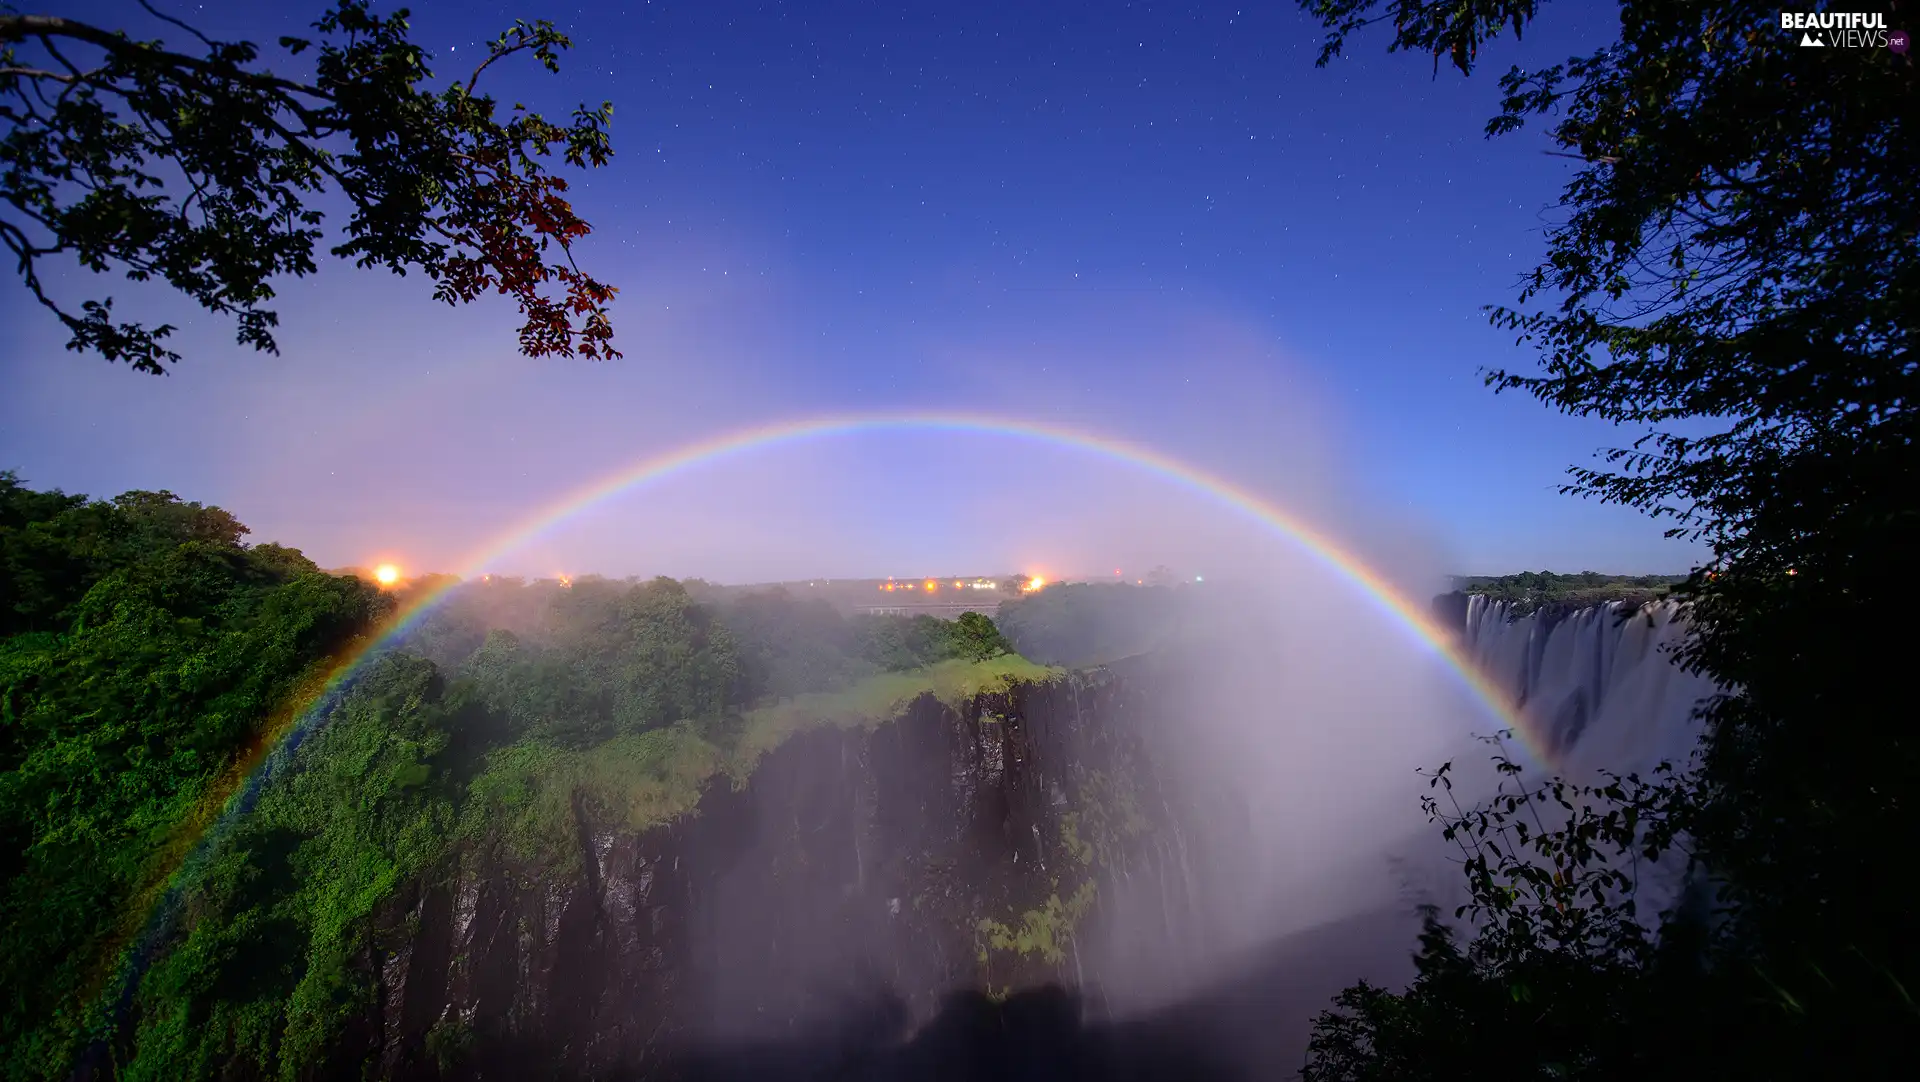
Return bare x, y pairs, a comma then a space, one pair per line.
858, 874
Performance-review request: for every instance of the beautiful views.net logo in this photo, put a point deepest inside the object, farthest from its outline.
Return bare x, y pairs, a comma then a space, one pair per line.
1843, 29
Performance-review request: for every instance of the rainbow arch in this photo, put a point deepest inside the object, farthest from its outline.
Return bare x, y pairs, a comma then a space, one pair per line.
310, 705
1372, 585
307, 708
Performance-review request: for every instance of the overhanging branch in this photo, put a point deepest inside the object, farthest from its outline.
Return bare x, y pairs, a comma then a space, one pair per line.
48, 28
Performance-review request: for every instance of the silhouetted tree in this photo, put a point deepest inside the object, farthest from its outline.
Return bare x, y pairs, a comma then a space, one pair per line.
204, 170
1734, 274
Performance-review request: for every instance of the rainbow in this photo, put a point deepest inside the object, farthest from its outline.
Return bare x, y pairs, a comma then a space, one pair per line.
1400, 609
313, 703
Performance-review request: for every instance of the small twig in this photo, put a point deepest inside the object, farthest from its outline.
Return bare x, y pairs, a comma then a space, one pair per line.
204, 40
7, 114
27, 252
39, 73
54, 51
199, 191
40, 94
1606, 159
474, 79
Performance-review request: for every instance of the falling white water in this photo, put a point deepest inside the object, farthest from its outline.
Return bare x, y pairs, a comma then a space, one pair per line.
1602, 691
1599, 683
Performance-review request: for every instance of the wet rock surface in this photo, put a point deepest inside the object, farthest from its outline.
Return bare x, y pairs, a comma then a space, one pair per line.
836, 900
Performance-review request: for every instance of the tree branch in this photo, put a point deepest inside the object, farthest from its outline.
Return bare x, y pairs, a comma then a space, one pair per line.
115, 43
41, 73
156, 13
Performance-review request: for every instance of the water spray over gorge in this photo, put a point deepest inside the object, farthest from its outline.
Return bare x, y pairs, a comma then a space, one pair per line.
1091, 830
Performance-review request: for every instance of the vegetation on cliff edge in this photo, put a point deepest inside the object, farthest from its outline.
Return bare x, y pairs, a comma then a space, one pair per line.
1529, 591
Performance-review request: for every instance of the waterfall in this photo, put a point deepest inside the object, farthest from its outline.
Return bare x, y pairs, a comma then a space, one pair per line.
1602, 689
1600, 682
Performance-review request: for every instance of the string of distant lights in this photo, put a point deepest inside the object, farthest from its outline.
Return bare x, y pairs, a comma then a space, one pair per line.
1027, 585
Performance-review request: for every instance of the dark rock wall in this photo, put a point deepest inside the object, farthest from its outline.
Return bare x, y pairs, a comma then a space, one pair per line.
846, 880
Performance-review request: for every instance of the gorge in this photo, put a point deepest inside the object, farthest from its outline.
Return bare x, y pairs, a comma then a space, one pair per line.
818, 920
609, 830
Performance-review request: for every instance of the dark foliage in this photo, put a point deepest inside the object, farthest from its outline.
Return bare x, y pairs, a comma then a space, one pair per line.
203, 170
1734, 273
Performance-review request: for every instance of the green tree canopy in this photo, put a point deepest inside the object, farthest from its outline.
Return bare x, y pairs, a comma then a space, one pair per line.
144, 650
975, 637
54, 547
204, 170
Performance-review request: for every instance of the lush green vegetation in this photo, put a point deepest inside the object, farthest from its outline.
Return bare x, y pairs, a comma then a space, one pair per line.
524, 794
273, 959
150, 654
1732, 275
146, 648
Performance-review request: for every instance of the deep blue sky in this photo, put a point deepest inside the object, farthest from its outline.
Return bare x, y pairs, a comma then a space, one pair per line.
1154, 220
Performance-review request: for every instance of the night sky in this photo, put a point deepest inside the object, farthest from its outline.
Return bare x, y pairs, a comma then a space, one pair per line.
1154, 221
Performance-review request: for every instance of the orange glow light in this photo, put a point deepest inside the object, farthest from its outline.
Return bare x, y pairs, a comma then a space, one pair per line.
386, 574
932, 586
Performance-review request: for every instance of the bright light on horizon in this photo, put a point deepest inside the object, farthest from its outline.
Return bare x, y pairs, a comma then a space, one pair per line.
386, 574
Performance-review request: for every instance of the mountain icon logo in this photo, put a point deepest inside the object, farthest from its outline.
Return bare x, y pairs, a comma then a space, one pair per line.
1808, 39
